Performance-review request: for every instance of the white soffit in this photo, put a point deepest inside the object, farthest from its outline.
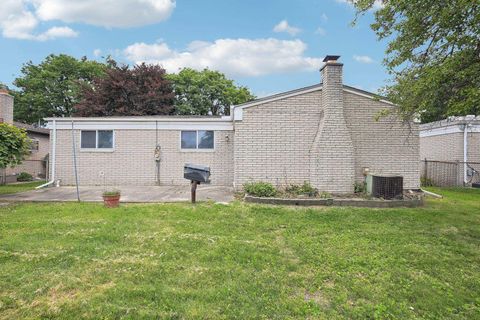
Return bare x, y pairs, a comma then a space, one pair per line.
142, 125
448, 130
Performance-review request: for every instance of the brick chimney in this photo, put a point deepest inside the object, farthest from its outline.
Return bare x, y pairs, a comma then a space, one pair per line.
332, 160
6, 106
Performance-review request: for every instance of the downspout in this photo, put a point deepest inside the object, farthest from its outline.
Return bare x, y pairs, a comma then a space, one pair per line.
465, 155
54, 149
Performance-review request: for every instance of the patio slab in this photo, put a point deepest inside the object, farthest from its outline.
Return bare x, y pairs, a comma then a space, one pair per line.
138, 194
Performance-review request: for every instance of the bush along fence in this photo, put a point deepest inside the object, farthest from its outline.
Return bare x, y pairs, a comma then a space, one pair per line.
449, 173
36, 168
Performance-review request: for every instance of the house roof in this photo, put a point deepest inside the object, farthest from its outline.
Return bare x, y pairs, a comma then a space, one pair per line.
30, 128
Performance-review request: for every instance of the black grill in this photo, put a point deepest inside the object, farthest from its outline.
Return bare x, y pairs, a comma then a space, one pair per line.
387, 187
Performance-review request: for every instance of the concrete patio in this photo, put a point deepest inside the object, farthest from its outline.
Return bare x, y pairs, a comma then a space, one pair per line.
138, 194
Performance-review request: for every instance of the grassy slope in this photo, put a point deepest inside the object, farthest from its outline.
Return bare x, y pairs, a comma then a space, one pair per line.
241, 261
19, 187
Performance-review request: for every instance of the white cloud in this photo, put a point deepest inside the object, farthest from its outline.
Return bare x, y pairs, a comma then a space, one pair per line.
283, 26
97, 52
20, 19
16, 21
321, 31
363, 59
324, 17
106, 13
235, 57
19, 23
57, 32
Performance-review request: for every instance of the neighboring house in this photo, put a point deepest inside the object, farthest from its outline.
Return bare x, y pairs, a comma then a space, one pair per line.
35, 163
453, 140
325, 134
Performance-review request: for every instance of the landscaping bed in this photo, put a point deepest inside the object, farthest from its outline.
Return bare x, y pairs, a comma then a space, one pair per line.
306, 195
351, 202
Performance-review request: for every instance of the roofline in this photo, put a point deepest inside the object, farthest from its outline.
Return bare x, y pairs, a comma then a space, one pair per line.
279, 96
141, 119
451, 121
233, 112
307, 89
30, 128
367, 94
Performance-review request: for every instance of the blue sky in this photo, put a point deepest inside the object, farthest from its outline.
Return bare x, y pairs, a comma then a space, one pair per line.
269, 46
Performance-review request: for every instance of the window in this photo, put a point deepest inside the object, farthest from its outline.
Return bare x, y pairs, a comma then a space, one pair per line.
97, 139
34, 144
200, 139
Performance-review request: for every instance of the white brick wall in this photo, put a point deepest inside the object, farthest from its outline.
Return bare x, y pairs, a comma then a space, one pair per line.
6, 107
385, 146
33, 163
132, 161
273, 141
449, 147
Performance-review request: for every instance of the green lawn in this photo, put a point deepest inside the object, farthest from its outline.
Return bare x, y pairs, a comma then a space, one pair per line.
178, 261
19, 187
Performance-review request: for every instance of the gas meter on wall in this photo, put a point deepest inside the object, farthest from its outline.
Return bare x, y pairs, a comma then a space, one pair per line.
157, 153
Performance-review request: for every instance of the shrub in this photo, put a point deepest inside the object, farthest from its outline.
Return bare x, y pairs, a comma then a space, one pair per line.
426, 182
325, 195
24, 176
359, 187
305, 189
260, 189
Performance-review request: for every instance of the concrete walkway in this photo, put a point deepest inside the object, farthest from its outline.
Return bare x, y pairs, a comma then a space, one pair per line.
129, 194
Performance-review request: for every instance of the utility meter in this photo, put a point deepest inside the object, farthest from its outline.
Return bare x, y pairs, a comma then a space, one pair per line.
157, 153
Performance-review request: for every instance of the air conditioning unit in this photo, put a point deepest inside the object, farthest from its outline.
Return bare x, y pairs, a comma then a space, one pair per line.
386, 187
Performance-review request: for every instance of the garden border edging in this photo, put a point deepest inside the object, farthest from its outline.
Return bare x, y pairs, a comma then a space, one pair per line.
411, 203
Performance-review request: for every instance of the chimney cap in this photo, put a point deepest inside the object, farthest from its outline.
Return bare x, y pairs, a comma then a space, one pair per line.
329, 58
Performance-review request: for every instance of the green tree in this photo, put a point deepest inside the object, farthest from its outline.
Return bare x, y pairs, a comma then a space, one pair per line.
14, 145
433, 55
52, 88
206, 92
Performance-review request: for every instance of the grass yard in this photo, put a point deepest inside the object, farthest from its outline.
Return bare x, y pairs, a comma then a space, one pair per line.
178, 261
19, 187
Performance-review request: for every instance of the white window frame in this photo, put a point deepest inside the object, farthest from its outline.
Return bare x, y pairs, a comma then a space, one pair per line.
196, 149
97, 149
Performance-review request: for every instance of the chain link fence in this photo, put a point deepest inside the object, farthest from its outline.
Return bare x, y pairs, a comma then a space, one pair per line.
37, 168
449, 173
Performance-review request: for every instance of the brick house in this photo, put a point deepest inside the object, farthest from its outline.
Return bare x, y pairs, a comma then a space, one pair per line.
35, 163
453, 140
325, 134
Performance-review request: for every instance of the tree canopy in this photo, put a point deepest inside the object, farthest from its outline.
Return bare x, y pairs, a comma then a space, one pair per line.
123, 91
206, 92
51, 88
62, 86
433, 54
14, 145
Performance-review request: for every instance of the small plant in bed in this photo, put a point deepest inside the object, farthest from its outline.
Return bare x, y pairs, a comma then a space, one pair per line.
260, 189
111, 198
305, 189
24, 176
